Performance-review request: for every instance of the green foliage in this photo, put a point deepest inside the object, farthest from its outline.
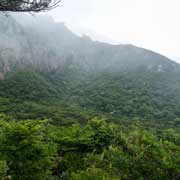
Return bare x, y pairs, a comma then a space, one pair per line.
91, 174
58, 114
68, 97
3, 169
100, 150
26, 149
33, 149
26, 85
133, 93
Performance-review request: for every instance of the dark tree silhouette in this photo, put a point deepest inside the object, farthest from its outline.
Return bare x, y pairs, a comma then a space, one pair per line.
28, 5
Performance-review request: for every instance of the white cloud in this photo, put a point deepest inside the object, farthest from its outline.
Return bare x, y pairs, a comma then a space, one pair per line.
152, 24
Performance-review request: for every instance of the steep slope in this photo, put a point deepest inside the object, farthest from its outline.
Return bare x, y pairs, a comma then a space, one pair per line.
45, 44
46, 62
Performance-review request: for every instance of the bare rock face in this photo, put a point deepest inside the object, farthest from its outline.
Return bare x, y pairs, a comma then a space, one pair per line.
1, 76
45, 45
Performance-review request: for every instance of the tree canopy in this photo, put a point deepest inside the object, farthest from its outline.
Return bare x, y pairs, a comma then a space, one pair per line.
28, 5
97, 150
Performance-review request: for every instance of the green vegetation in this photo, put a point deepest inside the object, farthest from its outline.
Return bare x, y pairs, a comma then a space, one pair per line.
74, 109
26, 149
48, 130
98, 150
69, 96
27, 85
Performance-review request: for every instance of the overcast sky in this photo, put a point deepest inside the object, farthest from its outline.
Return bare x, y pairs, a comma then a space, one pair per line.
152, 24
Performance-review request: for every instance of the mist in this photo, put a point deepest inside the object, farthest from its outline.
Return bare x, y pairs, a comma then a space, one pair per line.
90, 90
150, 24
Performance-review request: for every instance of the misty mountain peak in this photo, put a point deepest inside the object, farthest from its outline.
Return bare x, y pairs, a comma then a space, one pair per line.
41, 42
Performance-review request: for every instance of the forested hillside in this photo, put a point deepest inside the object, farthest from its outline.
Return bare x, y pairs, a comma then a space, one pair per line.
76, 109
48, 63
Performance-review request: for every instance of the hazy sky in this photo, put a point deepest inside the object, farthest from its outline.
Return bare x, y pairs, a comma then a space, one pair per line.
152, 24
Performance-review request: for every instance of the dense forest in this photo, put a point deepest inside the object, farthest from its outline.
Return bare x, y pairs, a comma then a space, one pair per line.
36, 149
75, 109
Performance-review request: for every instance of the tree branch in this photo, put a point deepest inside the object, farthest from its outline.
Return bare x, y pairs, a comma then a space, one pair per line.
28, 5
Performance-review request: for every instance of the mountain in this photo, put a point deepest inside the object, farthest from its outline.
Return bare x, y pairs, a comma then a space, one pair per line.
42, 61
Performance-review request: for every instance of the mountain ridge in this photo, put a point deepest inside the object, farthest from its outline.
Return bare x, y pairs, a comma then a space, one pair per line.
58, 44
54, 65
